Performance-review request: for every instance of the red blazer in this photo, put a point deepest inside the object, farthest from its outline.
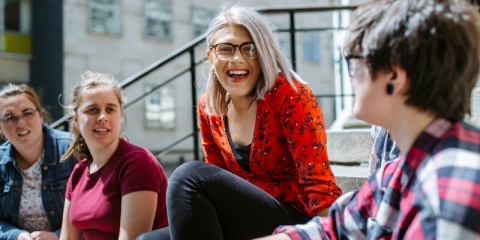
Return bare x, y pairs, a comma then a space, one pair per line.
288, 155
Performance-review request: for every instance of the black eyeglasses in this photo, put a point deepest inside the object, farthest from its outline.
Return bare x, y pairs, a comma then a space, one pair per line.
13, 119
225, 51
353, 63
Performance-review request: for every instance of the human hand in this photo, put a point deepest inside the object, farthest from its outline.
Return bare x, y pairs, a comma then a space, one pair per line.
24, 236
281, 236
43, 235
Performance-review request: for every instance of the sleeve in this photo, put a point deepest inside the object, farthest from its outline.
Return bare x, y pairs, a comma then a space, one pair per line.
210, 149
448, 199
348, 217
74, 178
140, 171
304, 129
374, 160
9, 231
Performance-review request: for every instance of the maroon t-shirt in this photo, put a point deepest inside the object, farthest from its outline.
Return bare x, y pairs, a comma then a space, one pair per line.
96, 198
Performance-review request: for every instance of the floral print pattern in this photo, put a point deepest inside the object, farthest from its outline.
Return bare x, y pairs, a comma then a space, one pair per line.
288, 155
32, 215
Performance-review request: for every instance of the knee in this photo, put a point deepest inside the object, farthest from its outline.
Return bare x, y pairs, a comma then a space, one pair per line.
187, 170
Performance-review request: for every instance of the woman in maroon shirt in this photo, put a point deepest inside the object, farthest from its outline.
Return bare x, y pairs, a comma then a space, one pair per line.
118, 190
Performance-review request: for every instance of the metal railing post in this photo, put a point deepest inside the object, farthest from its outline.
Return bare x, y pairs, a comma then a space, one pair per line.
196, 150
293, 51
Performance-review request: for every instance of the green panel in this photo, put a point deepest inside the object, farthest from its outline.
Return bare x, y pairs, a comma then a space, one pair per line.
17, 43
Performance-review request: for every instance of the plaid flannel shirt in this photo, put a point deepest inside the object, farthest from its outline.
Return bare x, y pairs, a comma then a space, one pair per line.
431, 193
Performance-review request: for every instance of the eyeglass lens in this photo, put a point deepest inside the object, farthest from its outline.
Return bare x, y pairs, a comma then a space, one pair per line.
12, 119
227, 50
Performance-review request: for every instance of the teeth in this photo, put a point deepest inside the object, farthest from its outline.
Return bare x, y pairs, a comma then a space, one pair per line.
237, 72
100, 130
23, 132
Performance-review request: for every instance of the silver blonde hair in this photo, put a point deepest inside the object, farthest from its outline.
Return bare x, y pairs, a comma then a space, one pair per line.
271, 59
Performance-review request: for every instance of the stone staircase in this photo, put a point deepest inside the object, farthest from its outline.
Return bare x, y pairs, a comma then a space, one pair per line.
349, 152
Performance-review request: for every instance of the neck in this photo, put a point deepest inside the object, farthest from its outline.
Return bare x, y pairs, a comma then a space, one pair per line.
408, 125
242, 105
101, 156
27, 157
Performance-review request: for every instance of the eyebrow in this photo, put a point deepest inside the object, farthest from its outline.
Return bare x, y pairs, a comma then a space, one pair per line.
11, 114
96, 105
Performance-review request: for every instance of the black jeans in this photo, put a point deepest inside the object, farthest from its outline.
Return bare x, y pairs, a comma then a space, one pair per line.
208, 202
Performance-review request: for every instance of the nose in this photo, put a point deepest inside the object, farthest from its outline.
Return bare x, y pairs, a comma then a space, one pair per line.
237, 54
20, 118
102, 116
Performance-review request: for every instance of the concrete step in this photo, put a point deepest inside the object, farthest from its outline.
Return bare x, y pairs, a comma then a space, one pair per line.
350, 177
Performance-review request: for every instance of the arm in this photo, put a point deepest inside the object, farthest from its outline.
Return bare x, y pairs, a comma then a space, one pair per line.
210, 149
348, 216
137, 214
304, 130
68, 230
10, 231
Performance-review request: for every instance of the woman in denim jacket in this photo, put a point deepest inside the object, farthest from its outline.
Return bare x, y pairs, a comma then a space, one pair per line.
32, 179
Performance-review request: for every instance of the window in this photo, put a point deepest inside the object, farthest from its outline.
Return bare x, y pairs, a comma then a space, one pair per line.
201, 18
105, 16
284, 43
311, 48
160, 108
11, 11
158, 19
16, 23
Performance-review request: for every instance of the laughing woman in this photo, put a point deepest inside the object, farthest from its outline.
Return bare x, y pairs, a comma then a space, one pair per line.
263, 137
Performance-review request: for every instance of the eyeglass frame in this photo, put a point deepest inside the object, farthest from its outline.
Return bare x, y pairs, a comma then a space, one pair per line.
235, 46
351, 72
16, 118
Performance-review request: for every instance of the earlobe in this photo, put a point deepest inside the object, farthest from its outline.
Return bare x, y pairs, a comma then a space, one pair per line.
209, 55
74, 119
398, 81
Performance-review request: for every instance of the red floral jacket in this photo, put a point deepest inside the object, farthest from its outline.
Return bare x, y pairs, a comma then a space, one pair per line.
288, 155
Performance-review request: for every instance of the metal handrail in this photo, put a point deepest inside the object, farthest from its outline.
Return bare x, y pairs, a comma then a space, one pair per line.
189, 48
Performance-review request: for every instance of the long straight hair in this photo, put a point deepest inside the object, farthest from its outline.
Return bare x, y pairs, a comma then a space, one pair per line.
271, 59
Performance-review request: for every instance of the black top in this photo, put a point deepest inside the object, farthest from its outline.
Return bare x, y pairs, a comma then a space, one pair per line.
241, 153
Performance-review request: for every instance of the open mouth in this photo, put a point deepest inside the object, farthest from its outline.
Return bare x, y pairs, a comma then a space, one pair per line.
101, 130
238, 74
23, 133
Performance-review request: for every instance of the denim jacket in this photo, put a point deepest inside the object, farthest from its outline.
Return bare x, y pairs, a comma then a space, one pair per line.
54, 179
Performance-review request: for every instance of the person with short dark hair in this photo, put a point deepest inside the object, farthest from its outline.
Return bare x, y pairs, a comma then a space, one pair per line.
413, 65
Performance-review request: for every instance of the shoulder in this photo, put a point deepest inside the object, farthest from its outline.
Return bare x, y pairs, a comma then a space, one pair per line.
283, 88
57, 134
5, 151
80, 167
202, 104
133, 153
61, 138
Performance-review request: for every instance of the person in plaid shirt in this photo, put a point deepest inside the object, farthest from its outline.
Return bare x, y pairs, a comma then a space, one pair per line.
413, 65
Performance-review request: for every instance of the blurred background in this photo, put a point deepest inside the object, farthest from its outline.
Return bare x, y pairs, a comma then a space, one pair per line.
156, 49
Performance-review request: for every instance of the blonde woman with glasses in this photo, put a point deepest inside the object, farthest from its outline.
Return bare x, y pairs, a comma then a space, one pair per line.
263, 137
32, 178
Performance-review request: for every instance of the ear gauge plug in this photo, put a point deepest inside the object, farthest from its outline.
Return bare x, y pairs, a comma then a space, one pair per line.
390, 88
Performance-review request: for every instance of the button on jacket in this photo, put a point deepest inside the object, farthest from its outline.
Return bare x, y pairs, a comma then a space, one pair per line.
55, 175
